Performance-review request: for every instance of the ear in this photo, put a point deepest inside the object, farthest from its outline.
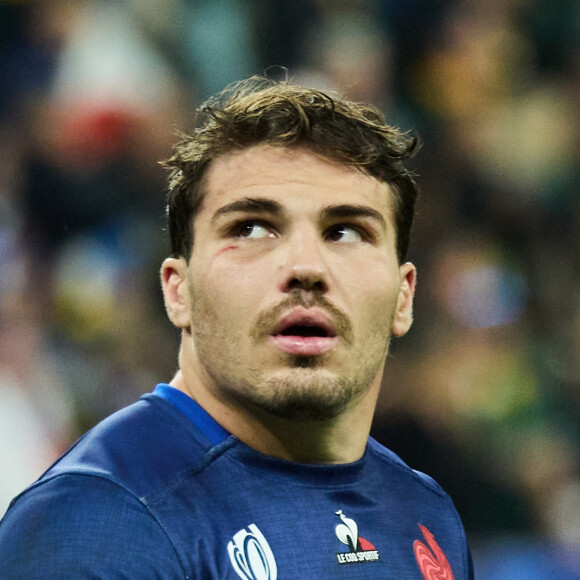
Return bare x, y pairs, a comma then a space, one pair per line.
176, 291
404, 312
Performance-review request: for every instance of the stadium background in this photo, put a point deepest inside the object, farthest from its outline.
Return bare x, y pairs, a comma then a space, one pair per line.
483, 394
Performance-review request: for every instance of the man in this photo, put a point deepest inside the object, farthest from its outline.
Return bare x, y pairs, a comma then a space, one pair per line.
289, 216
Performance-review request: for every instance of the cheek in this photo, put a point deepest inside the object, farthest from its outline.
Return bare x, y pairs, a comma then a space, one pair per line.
374, 303
226, 295
241, 273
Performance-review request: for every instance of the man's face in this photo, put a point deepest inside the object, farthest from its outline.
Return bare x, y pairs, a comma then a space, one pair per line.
293, 284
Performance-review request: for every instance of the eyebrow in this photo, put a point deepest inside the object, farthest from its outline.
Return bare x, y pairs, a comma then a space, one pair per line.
272, 207
250, 204
346, 211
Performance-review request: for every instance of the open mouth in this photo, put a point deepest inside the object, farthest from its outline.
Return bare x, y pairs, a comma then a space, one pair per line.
305, 333
304, 330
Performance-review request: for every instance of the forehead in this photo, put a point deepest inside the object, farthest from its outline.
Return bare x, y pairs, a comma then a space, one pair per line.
290, 174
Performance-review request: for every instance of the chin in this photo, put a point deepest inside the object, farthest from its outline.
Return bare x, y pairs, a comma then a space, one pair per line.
304, 396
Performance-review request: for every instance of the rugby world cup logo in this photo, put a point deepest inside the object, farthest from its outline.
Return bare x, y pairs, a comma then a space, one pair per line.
251, 555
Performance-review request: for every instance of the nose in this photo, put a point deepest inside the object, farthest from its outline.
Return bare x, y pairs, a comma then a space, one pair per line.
303, 265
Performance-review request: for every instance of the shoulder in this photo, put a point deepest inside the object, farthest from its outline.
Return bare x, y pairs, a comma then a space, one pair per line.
81, 526
90, 514
414, 487
143, 448
401, 471
421, 496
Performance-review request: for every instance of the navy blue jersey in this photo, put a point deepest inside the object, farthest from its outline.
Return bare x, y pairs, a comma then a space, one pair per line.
160, 490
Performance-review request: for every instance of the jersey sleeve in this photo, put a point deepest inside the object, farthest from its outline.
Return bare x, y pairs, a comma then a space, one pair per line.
83, 526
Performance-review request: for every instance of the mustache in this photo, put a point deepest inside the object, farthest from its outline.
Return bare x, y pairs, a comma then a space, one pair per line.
268, 319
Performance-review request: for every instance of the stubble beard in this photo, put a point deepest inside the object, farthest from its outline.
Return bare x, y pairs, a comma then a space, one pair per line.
306, 392
303, 390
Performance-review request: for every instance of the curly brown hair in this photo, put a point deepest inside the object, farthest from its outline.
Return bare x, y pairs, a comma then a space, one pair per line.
259, 110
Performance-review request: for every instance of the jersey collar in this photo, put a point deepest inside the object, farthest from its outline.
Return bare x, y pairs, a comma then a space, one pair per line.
210, 428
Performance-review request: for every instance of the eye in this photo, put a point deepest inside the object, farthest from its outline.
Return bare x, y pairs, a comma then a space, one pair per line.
253, 230
345, 234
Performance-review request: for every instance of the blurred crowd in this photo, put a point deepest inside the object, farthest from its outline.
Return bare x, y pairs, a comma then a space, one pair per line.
483, 394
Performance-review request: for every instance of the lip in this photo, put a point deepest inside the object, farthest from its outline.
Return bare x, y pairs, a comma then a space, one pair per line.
305, 345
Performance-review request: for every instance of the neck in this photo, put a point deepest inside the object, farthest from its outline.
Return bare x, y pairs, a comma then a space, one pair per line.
341, 439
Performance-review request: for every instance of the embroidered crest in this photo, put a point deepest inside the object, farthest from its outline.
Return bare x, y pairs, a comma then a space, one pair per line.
431, 560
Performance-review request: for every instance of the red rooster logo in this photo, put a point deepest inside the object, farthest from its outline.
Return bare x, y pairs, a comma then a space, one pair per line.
432, 562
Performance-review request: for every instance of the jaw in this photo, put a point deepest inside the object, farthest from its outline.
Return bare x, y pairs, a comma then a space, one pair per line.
287, 412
